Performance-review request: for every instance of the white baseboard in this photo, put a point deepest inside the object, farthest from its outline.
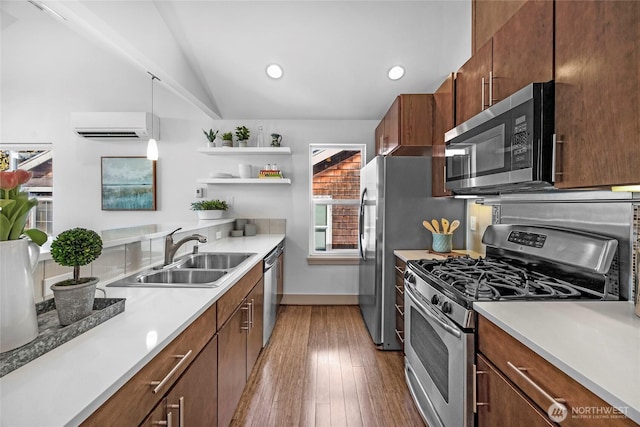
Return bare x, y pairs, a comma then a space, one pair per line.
307, 299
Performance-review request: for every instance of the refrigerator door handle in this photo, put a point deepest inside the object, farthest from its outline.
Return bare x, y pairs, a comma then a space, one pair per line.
363, 255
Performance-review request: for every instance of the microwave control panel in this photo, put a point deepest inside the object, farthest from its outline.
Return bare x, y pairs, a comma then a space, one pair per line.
520, 145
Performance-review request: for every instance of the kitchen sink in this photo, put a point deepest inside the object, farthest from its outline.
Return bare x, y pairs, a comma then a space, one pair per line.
200, 270
212, 260
181, 276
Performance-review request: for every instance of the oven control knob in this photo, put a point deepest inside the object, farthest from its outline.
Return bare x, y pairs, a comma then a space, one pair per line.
435, 300
446, 307
411, 279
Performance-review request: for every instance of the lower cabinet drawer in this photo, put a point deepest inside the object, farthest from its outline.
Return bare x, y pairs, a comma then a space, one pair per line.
134, 401
540, 380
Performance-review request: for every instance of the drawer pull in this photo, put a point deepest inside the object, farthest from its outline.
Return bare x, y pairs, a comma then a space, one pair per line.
400, 335
180, 408
557, 402
159, 384
475, 390
400, 309
400, 289
399, 270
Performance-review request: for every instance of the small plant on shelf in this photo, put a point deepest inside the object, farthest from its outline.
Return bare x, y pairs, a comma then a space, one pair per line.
211, 136
242, 134
227, 139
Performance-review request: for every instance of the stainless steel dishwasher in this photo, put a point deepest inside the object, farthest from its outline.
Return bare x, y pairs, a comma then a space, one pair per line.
271, 274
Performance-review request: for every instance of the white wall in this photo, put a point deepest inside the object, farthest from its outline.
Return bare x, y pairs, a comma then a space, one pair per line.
48, 72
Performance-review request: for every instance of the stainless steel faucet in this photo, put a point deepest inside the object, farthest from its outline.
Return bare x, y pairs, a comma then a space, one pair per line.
171, 248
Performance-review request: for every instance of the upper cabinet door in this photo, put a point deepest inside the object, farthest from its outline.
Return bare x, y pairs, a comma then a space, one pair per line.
488, 16
597, 85
472, 82
523, 50
444, 120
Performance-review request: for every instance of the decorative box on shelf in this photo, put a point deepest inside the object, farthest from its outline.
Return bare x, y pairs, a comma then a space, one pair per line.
270, 173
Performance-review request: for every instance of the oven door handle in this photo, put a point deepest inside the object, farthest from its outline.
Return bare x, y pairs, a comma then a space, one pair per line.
428, 312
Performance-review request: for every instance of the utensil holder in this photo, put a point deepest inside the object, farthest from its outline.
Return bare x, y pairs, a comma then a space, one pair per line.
442, 242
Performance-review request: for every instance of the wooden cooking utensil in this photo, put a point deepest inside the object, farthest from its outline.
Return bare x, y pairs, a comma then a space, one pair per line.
445, 225
436, 226
455, 224
428, 226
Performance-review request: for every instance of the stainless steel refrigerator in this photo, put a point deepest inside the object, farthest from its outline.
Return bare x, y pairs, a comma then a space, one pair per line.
395, 199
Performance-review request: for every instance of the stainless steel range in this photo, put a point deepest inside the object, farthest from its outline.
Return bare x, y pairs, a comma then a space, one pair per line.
522, 263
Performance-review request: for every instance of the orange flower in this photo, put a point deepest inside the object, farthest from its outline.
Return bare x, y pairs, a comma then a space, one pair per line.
8, 180
23, 176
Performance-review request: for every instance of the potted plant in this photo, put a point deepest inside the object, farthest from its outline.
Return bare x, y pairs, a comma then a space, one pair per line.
242, 134
19, 254
227, 139
74, 297
210, 209
211, 137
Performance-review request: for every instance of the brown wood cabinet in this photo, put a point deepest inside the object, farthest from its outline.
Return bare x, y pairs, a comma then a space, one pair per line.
444, 120
500, 403
400, 266
255, 301
520, 52
193, 399
131, 404
406, 129
240, 343
488, 16
521, 368
597, 86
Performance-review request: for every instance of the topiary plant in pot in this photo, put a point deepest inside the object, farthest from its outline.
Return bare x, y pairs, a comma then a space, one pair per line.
74, 297
210, 209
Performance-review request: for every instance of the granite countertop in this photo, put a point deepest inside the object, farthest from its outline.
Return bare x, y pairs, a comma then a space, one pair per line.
66, 385
597, 343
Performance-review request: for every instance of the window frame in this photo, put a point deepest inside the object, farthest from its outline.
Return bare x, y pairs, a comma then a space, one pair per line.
337, 256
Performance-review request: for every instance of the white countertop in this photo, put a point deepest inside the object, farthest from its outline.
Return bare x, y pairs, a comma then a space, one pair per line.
67, 384
596, 343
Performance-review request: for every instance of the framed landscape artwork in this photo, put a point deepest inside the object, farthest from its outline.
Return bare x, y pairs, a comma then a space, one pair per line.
128, 183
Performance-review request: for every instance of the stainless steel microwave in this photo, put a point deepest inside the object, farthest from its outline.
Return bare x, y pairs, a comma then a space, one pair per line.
507, 147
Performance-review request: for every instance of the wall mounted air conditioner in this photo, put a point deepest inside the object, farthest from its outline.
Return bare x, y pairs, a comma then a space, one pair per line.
115, 125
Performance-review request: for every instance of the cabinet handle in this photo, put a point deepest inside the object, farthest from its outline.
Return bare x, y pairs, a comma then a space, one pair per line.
491, 98
558, 148
444, 177
246, 308
400, 335
557, 402
400, 309
482, 97
180, 408
159, 384
400, 290
475, 390
252, 312
399, 270
168, 422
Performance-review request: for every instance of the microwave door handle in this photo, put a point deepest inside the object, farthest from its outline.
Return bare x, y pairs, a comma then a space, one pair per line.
429, 313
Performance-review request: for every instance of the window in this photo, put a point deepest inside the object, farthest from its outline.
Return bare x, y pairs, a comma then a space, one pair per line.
38, 159
335, 198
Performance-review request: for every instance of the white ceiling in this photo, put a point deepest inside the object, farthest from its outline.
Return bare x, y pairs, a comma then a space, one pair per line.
335, 54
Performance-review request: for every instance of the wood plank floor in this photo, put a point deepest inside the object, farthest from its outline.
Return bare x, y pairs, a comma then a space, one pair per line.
320, 368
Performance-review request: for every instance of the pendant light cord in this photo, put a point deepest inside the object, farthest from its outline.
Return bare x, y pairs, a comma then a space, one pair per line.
153, 77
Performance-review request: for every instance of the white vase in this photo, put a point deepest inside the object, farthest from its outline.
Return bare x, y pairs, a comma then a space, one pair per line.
18, 318
211, 214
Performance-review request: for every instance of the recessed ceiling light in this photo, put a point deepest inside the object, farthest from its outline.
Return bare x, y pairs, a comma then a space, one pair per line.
396, 72
274, 71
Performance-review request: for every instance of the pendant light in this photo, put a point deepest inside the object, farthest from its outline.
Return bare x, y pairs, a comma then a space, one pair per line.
152, 146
